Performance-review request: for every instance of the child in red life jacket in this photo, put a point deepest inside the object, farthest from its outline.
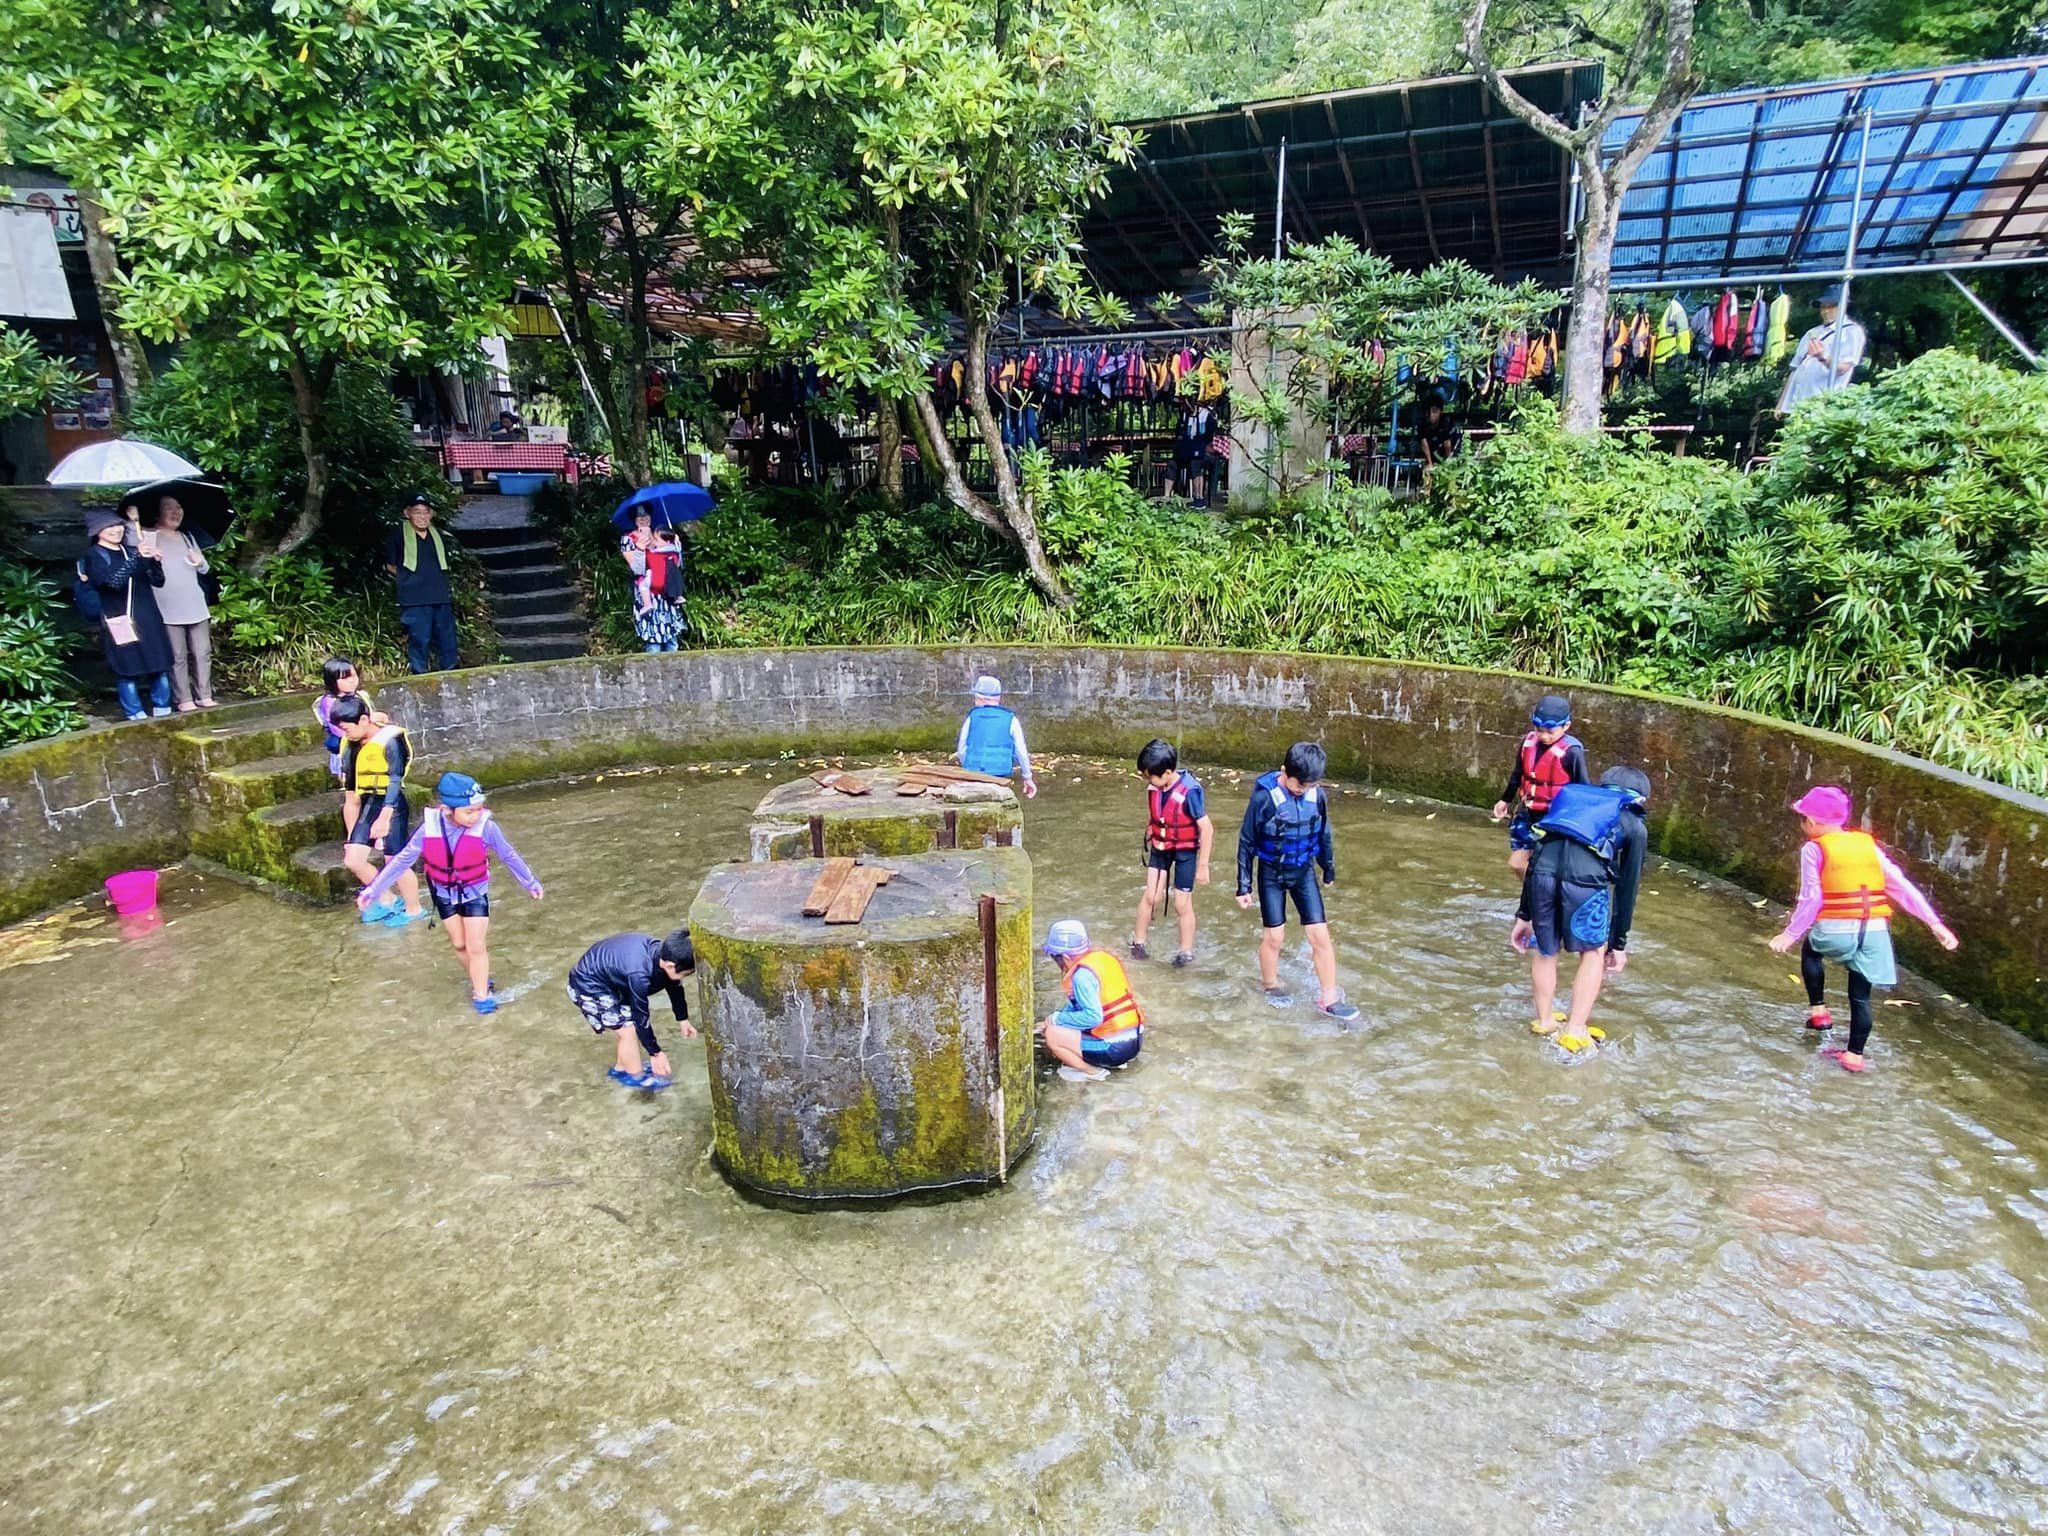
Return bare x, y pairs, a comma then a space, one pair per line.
1549, 758
1178, 836
1848, 887
453, 844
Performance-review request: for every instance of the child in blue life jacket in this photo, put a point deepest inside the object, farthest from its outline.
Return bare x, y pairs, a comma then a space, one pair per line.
1284, 841
1101, 1025
1549, 758
453, 845
374, 759
612, 986
1178, 836
341, 680
1579, 895
992, 737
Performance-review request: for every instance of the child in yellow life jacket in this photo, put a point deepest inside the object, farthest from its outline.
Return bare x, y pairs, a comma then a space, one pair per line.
453, 844
374, 759
1101, 1025
1178, 836
1549, 758
1848, 889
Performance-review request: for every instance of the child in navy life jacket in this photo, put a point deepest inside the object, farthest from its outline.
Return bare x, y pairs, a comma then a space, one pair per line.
611, 987
1848, 889
1178, 836
992, 737
1579, 895
1284, 841
374, 760
1550, 757
453, 845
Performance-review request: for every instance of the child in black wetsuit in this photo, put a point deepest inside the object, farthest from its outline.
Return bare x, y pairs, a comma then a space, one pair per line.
611, 987
1579, 895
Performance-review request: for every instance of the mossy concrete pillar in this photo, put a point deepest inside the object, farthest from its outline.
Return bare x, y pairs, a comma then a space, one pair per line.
806, 819
869, 1059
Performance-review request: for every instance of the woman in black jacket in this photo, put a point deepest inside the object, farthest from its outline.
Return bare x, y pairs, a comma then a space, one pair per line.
132, 633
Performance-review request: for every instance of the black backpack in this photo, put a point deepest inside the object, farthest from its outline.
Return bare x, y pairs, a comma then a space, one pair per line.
85, 597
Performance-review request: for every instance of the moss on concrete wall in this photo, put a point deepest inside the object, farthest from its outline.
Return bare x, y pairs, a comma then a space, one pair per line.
1722, 778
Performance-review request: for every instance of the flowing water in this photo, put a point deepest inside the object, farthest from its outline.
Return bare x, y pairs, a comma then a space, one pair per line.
296, 1242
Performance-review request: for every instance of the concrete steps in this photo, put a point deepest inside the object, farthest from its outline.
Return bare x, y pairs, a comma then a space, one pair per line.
539, 612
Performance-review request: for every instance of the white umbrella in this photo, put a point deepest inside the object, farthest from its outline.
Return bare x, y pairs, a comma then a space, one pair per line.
124, 461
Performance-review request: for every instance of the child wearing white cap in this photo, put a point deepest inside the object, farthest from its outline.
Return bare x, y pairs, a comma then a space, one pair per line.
1102, 1025
992, 737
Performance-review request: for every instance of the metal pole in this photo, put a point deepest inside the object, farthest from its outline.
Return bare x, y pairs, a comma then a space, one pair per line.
1658, 284
2033, 358
574, 357
1842, 321
1020, 302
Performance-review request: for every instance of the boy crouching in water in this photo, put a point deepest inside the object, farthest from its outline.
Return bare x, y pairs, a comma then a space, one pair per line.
611, 987
1102, 1025
1579, 895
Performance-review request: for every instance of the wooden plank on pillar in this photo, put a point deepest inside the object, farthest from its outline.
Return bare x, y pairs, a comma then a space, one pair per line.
851, 904
827, 886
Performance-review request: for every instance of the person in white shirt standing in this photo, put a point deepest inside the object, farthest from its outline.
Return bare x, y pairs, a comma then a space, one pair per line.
1827, 355
992, 737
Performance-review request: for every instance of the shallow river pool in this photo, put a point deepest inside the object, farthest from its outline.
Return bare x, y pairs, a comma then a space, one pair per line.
295, 1242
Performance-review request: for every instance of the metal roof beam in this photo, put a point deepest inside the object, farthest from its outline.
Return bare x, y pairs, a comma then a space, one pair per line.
1415, 167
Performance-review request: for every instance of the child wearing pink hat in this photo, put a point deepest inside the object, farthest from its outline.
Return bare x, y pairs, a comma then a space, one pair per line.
1848, 889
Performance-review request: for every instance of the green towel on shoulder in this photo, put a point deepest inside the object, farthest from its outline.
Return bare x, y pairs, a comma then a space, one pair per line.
412, 548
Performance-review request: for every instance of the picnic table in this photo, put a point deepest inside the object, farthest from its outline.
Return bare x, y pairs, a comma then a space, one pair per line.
511, 458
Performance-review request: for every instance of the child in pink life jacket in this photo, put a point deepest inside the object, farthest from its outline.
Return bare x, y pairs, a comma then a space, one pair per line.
1848, 889
453, 844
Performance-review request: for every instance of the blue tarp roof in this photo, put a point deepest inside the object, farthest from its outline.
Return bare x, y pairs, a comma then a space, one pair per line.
1758, 184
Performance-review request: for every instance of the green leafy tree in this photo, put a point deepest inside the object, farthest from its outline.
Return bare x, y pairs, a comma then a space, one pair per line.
942, 149
28, 380
1339, 323
1657, 62
322, 182
650, 223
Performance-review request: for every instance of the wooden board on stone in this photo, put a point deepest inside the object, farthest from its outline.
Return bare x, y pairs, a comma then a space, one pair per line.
831, 880
946, 773
851, 904
844, 783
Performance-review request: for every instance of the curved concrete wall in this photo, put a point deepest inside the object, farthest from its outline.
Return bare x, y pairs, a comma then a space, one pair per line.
78, 807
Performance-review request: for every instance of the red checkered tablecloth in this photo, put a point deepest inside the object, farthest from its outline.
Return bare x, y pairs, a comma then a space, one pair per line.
550, 458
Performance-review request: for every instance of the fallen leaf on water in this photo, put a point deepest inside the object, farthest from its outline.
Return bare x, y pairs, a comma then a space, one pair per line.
1764, 903
1430, 817
1900, 1002
1792, 978
1946, 998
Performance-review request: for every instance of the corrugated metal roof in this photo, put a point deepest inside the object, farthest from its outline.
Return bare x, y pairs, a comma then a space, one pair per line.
1419, 171
1759, 183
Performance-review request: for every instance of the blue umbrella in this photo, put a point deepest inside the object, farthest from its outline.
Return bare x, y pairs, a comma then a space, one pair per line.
672, 502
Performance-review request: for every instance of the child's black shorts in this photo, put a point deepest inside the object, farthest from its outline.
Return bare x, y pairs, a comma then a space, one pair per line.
393, 840
458, 903
1180, 861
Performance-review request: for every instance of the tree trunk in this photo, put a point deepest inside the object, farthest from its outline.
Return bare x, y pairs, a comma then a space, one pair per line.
1585, 347
597, 371
1016, 513
131, 363
889, 451
309, 396
634, 454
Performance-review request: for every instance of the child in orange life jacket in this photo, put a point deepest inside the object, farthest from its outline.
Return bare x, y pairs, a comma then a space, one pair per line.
1102, 1025
1548, 759
374, 760
1178, 836
453, 843
1848, 887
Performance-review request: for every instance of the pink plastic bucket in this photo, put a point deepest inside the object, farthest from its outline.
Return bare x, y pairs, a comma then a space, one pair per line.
132, 890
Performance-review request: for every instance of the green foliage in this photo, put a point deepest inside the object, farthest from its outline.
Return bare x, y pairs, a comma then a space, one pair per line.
325, 179
35, 689
28, 380
226, 409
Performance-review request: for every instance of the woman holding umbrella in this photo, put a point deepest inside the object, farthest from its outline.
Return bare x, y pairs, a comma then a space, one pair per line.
132, 635
655, 558
183, 602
